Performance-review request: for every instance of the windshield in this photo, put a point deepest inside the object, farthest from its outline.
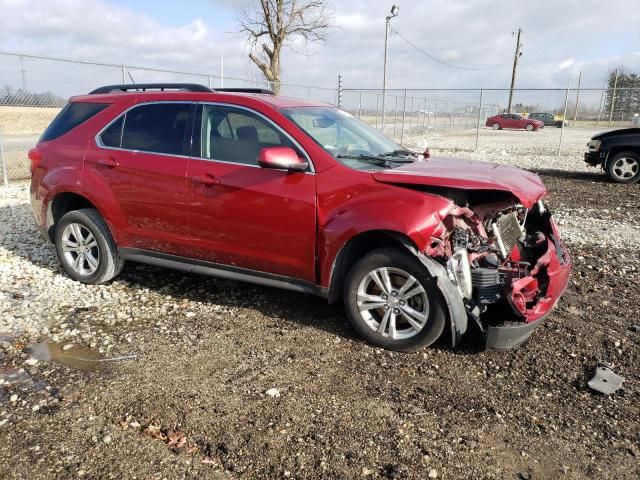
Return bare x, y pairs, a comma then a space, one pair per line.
349, 140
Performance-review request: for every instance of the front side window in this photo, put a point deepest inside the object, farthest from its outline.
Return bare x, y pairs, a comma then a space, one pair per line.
156, 128
349, 140
235, 135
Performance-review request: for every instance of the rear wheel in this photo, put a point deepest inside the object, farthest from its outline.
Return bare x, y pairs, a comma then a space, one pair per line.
624, 167
496, 126
393, 302
85, 247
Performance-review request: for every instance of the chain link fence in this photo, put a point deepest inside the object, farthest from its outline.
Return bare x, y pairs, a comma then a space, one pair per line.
33, 89
450, 120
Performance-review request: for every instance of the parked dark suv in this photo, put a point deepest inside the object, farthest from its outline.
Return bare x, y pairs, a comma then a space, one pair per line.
617, 152
548, 119
299, 195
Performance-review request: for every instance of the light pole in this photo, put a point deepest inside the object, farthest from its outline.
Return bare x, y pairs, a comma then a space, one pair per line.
394, 13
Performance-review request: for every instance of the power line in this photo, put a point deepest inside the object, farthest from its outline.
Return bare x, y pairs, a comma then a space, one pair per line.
442, 61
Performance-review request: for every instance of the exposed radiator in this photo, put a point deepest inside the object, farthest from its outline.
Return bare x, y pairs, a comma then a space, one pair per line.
508, 231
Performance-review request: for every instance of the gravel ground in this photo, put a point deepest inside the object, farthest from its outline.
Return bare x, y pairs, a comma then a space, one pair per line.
233, 380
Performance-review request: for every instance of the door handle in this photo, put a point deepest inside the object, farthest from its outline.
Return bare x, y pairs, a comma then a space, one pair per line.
207, 180
108, 162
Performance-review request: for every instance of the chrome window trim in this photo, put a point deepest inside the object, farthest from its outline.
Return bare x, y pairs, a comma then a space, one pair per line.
99, 143
123, 114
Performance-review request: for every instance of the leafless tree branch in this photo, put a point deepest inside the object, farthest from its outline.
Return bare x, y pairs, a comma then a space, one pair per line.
271, 25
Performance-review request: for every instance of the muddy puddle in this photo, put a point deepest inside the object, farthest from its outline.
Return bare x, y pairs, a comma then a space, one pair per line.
73, 356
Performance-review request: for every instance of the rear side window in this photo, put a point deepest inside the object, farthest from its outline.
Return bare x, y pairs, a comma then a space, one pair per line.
72, 115
156, 128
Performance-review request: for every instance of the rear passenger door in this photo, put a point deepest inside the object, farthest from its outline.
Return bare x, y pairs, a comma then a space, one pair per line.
143, 151
243, 215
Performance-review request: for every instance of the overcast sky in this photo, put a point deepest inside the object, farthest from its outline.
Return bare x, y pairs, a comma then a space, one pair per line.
560, 37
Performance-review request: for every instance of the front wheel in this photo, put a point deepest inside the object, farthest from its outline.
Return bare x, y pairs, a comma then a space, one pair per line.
530, 128
624, 167
496, 126
85, 247
393, 302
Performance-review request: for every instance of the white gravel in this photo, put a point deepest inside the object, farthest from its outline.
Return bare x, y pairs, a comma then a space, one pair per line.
531, 150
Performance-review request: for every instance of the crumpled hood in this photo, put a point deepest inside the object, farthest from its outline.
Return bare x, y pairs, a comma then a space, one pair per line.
467, 175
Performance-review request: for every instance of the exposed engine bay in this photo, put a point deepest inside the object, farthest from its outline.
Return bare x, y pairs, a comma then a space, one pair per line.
499, 253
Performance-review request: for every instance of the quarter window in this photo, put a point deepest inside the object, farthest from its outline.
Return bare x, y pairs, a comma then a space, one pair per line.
112, 136
156, 128
72, 115
235, 135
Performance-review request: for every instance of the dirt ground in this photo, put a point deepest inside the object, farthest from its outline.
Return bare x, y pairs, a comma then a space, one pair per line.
199, 401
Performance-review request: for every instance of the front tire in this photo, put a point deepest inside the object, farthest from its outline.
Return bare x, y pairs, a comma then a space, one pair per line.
86, 250
624, 167
393, 302
496, 126
530, 128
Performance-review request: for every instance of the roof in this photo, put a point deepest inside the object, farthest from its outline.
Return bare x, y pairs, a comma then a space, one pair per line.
274, 101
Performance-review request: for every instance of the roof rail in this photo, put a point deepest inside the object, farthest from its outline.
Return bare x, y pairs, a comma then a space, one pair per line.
245, 90
184, 87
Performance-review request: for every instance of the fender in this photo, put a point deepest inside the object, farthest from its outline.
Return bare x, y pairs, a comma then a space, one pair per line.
377, 207
85, 184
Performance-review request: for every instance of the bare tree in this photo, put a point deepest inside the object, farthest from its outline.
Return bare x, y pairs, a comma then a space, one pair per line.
273, 24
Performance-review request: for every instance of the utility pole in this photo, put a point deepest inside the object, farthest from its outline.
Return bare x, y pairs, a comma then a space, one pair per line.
24, 75
515, 67
394, 13
221, 71
613, 98
575, 112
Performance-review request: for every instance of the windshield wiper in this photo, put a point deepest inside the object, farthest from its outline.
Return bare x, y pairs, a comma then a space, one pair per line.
407, 153
376, 159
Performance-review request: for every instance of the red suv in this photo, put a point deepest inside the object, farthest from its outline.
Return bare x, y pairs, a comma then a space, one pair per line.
299, 195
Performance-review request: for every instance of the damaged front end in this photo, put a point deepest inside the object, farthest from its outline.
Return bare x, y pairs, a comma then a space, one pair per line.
505, 261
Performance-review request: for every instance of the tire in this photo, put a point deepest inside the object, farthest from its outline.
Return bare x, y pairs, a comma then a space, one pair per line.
624, 167
426, 306
95, 258
497, 126
530, 127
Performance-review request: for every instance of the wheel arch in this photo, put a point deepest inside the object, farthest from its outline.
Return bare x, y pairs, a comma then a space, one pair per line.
371, 240
616, 149
355, 248
61, 203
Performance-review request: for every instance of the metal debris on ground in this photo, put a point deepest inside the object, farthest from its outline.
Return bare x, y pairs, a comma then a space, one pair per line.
605, 380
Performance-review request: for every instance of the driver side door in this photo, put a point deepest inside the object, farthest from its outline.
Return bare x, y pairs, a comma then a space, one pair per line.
242, 215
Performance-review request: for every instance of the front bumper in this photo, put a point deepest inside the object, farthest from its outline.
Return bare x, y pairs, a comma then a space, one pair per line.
555, 265
595, 158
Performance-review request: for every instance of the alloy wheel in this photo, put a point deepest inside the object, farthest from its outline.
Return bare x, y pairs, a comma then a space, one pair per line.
393, 303
80, 249
625, 168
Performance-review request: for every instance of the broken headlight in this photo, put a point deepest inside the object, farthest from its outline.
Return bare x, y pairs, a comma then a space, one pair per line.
459, 271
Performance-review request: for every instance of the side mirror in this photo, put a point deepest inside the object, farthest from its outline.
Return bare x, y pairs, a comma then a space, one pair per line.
281, 158
323, 122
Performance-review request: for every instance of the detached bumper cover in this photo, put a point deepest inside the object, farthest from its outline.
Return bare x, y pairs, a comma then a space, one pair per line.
510, 336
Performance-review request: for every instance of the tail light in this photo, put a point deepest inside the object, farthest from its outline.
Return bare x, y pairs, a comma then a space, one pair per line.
35, 156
